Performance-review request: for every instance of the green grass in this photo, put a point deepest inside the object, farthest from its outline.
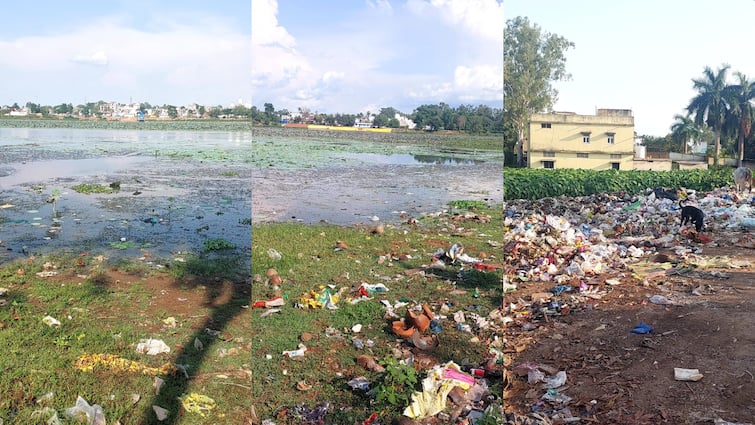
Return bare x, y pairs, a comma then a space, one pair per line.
88, 188
107, 308
309, 263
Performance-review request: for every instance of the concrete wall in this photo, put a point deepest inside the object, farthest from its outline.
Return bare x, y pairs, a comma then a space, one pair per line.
558, 137
654, 165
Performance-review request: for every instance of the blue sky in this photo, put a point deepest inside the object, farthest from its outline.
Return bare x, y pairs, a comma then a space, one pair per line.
642, 54
361, 55
164, 52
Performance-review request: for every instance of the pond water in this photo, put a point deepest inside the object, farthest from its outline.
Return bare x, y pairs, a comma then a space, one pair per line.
181, 188
353, 181
177, 189
405, 159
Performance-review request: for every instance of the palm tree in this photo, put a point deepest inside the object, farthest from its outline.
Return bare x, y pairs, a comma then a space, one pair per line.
710, 104
741, 111
684, 129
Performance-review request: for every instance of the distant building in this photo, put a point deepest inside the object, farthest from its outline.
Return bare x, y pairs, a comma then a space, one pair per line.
19, 112
568, 140
404, 121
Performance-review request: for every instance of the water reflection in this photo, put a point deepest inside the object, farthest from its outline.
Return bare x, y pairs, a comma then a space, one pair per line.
16, 174
408, 159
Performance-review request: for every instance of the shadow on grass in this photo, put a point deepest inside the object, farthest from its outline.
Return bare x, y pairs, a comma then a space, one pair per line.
211, 272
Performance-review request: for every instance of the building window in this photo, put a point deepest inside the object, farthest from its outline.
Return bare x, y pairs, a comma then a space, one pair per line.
549, 154
615, 156
610, 139
581, 155
545, 125
585, 137
615, 165
547, 164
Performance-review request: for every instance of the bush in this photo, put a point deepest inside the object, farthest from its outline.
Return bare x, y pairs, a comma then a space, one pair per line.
528, 183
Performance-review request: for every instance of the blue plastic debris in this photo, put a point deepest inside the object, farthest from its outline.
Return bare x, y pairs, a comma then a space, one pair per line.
642, 328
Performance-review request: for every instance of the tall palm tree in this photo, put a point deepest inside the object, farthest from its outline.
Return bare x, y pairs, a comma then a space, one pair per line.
740, 96
710, 105
684, 129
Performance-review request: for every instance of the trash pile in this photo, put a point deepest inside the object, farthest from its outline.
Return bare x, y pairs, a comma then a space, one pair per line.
450, 391
581, 248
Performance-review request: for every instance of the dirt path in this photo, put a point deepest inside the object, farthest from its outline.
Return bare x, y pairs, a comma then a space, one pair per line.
614, 376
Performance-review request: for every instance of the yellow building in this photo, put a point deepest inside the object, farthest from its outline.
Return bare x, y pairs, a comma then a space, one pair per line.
596, 142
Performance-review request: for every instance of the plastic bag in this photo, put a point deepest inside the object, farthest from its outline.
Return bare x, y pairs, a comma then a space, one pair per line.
152, 347
94, 415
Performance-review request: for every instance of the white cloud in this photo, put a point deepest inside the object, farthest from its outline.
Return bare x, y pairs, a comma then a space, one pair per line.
482, 82
265, 28
181, 64
96, 58
330, 76
276, 63
484, 18
399, 54
383, 6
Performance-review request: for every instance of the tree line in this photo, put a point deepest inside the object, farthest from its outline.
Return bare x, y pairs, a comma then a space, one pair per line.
480, 119
99, 109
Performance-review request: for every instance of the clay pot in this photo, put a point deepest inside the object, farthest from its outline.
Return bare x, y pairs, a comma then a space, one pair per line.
369, 363
401, 329
427, 311
419, 320
424, 343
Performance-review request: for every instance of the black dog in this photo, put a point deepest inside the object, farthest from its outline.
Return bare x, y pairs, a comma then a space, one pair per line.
692, 214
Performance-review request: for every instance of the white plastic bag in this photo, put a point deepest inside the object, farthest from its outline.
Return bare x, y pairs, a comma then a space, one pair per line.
152, 347
94, 415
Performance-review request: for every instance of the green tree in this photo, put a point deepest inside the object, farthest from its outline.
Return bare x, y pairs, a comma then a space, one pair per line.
269, 113
33, 108
658, 144
380, 121
428, 116
709, 105
201, 110
172, 112
533, 59
741, 111
63, 108
241, 111
683, 130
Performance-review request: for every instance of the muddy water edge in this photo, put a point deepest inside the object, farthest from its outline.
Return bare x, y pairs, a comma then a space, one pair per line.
170, 187
311, 176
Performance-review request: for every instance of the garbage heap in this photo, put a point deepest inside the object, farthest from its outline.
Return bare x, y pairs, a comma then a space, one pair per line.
584, 245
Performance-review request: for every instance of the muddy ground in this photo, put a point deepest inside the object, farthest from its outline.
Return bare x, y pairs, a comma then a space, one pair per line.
344, 195
618, 377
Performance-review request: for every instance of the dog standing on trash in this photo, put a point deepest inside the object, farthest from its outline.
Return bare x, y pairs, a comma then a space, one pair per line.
692, 214
742, 178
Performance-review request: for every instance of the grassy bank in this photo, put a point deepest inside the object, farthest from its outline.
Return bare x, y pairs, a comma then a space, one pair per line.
313, 259
493, 142
70, 327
